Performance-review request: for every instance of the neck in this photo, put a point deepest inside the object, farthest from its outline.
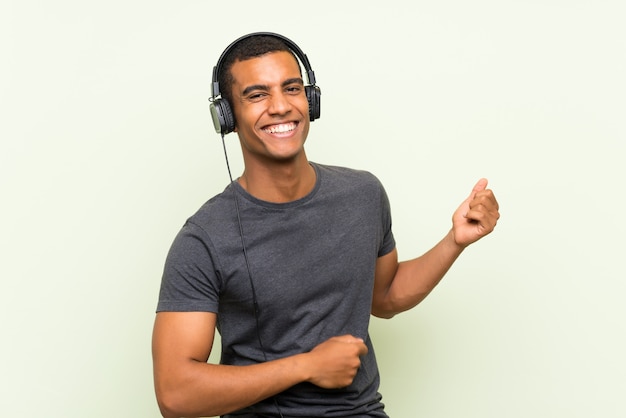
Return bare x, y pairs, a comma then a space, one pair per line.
279, 182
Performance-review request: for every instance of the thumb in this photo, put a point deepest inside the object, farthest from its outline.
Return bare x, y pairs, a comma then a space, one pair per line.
478, 187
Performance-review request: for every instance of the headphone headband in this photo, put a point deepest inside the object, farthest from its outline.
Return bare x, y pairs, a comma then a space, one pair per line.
310, 75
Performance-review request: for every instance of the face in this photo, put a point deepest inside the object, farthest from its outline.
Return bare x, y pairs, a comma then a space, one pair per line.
270, 106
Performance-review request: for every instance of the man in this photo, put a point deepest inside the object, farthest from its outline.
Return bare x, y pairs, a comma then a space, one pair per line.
287, 263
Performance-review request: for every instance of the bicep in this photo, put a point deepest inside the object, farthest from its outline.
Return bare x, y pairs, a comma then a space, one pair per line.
182, 336
181, 345
386, 268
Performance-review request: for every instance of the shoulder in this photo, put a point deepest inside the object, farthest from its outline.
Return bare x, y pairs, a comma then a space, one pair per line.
345, 175
211, 222
219, 208
199, 237
349, 187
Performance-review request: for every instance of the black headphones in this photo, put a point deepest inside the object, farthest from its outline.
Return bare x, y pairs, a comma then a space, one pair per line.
221, 112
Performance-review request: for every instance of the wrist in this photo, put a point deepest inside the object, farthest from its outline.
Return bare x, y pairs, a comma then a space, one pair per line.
302, 368
452, 242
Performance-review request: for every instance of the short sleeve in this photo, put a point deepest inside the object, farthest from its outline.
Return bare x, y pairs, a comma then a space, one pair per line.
190, 279
388, 242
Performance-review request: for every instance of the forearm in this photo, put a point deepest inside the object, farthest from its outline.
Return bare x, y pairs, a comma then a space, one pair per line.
202, 389
187, 386
415, 279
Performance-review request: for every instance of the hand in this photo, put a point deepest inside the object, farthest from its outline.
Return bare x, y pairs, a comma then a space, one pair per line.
336, 361
476, 217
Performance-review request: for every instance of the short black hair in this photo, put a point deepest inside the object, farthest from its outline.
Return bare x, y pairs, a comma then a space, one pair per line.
248, 48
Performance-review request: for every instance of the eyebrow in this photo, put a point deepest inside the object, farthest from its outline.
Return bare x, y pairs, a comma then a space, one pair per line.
265, 87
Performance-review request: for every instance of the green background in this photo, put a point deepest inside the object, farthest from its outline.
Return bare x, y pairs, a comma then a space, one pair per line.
107, 146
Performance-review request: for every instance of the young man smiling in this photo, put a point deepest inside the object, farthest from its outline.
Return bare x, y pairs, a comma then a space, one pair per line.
288, 263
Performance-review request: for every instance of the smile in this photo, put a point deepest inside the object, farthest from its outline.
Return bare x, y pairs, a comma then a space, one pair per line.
280, 128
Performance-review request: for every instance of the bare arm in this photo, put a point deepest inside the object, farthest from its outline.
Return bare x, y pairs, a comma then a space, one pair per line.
401, 286
186, 385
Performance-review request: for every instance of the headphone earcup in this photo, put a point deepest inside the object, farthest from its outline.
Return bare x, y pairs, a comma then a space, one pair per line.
313, 96
223, 119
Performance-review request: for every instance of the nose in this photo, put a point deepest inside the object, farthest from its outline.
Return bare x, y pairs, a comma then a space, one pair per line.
279, 104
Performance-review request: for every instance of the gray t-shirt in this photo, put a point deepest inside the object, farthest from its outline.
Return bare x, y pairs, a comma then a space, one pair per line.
312, 264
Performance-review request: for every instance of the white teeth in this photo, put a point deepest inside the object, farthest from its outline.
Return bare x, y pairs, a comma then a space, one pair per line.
285, 127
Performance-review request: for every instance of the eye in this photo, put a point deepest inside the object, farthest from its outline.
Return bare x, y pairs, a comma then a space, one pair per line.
293, 89
257, 96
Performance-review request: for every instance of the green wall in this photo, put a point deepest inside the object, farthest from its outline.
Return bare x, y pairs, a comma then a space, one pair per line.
107, 147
